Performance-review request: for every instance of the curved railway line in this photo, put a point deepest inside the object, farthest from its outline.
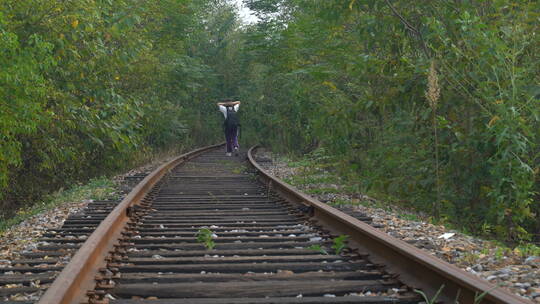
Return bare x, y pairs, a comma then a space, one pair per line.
273, 244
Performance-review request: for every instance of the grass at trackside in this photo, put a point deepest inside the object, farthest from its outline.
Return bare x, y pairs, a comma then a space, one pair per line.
99, 188
96, 189
321, 170
316, 170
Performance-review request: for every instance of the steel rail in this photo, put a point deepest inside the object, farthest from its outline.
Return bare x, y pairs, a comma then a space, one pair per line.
415, 267
78, 276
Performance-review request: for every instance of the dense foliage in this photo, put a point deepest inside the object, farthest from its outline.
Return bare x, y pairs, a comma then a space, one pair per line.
434, 103
87, 86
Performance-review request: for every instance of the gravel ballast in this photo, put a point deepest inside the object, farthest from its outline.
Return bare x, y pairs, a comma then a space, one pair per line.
24, 237
510, 269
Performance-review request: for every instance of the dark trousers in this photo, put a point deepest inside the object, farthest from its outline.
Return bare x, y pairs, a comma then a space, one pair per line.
231, 136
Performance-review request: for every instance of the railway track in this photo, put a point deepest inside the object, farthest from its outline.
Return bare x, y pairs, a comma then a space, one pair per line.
25, 279
35, 269
207, 228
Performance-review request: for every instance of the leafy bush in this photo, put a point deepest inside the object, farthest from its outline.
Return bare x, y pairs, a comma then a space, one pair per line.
86, 87
352, 76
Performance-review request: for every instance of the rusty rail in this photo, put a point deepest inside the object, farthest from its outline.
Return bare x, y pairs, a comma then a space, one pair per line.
415, 267
78, 276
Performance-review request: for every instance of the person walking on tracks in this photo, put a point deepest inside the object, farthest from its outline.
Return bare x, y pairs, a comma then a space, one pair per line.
231, 125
